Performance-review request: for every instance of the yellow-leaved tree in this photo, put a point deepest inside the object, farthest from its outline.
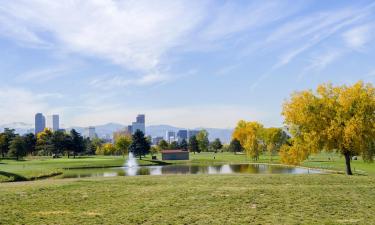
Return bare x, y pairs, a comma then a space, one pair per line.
274, 138
249, 134
333, 118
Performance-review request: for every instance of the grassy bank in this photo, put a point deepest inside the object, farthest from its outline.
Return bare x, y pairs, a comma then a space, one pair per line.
192, 199
33, 168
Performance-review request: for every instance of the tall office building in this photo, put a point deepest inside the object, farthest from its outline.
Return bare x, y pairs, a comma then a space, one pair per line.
140, 118
192, 133
156, 140
170, 136
40, 123
139, 124
182, 135
53, 122
90, 132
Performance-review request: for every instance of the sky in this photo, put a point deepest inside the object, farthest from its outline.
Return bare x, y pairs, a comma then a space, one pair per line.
193, 63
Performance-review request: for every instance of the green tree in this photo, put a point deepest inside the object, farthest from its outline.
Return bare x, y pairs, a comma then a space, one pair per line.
216, 145
193, 144
333, 118
61, 142
122, 144
30, 143
163, 145
183, 145
96, 144
235, 146
5, 138
173, 145
77, 142
154, 150
139, 146
203, 142
17, 147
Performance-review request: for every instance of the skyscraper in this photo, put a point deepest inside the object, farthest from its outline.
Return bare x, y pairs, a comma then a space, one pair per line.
170, 136
90, 132
53, 122
141, 118
139, 124
182, 135
40, 123
192, 133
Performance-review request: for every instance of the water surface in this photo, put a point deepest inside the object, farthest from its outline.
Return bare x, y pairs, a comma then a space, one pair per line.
187, 169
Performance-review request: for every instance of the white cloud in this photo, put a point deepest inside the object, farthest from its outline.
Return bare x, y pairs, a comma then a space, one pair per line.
311, 30
357, 37
134, 34
231, 18
43, 75
18, 104
112, 82
219, 116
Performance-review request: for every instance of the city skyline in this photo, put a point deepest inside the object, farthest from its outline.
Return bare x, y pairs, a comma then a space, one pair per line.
197, 64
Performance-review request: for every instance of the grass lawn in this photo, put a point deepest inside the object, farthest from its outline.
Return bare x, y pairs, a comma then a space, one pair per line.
192, 199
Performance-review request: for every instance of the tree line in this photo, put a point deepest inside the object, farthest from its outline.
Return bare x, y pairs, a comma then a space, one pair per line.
255, 139
46, 143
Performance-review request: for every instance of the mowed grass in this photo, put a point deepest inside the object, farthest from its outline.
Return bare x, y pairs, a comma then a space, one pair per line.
192, 199
42, 167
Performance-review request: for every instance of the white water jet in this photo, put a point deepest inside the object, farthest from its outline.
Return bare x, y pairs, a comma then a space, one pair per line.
131, 165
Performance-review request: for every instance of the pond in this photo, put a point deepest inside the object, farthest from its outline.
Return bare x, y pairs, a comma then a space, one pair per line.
186, 169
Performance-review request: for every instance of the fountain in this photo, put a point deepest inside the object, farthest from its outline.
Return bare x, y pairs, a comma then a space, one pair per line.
131, 165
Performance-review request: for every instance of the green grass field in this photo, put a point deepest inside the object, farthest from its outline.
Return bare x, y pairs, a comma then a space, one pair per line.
42, 167
192, 199
185, 199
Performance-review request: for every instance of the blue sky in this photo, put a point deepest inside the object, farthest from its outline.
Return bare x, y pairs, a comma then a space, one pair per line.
183, 63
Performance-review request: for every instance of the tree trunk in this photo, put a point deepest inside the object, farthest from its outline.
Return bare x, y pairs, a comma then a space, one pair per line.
347, 162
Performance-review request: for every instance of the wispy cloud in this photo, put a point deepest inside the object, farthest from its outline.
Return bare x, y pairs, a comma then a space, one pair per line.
194, 116
134, 34
111, 82
43, 75
19, 104
297, 37
359, 36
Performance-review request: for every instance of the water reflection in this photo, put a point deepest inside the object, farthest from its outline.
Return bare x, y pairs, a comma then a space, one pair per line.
187, 169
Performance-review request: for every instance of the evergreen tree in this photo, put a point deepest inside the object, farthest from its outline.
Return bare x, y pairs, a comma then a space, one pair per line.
139, 146
77, 142
184, 145
17, 147
216, 145
61, 142
235, 146
5, 138
30, 143
193, 145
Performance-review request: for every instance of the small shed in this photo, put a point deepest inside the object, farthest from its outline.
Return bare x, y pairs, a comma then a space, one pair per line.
174, 155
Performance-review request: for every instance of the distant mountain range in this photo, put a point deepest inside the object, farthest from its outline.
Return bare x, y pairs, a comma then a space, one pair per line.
109, 128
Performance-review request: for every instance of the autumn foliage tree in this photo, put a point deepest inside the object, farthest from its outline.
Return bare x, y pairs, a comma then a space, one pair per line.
332, 118
274, 138
249, 134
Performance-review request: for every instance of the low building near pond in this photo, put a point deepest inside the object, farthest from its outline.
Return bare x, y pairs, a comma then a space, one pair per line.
174, 155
